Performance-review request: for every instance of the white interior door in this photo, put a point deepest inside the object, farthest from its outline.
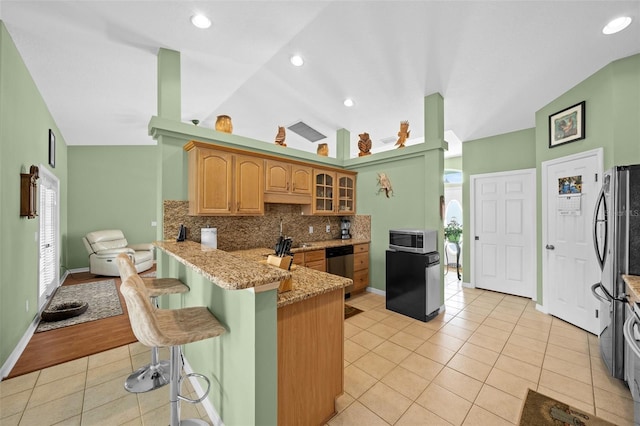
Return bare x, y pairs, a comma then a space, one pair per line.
503, 228
49, 271
570, 266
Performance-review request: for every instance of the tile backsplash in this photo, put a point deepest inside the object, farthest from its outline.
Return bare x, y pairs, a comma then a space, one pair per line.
244, 232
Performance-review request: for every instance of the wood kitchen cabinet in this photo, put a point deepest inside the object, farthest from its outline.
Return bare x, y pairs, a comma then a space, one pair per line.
346, 194
334, 193
314, 259
224, 183
287, 182
360, 267
229, 181
249, 181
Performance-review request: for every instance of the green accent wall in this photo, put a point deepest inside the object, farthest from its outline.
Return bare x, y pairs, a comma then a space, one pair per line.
612, 109
453, 163
25, 121
242, 363
612, 98
110, 187
510, 151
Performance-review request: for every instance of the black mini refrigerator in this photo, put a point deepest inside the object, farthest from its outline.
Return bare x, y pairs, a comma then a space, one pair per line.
413, 284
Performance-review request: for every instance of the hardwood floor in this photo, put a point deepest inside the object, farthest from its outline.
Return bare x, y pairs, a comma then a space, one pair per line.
68, 343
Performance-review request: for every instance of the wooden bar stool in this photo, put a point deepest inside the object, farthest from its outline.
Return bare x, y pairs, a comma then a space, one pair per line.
172, 328
156, 374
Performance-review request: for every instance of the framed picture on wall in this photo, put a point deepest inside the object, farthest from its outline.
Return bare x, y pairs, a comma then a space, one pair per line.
567, 125
52, 149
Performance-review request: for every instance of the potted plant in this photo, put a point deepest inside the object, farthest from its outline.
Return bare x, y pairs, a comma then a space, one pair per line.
453, 231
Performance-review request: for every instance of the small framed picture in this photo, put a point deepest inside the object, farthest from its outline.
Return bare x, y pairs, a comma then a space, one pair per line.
567, 125
52, 149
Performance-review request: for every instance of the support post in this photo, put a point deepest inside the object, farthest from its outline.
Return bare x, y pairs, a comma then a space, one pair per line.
169, 94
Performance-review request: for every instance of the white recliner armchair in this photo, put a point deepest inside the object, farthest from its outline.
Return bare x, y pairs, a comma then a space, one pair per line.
105, 246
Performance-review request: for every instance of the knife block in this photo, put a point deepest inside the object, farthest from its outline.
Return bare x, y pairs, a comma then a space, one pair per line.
282, 263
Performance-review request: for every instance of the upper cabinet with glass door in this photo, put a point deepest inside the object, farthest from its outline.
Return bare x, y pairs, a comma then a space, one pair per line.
346, 194
333, 193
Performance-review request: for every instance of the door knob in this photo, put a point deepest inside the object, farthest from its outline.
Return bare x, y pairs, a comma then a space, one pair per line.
549, 247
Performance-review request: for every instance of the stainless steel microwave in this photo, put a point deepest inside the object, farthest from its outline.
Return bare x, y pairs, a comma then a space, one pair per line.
413, 240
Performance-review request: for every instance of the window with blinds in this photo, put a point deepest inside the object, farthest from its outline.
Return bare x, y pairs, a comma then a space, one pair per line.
48, 214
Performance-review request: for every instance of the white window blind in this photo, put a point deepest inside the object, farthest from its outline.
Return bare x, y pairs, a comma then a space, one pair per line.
48, 214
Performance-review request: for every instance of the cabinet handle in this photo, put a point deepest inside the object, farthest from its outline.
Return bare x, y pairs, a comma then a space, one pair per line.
293, 186
229, 205
287, 186
238, 206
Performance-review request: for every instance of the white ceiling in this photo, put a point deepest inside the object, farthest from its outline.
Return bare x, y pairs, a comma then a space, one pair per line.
494, 62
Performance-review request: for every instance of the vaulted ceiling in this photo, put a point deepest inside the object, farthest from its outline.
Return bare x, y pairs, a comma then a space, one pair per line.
494, 62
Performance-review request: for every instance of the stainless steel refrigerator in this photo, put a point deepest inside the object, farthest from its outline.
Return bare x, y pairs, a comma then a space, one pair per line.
616, 237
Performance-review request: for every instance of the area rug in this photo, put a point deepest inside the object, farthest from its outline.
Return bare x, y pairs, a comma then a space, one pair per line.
350, 311
102, 297
540, 410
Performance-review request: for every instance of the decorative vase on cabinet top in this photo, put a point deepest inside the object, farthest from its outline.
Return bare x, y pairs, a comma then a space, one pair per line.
223, 124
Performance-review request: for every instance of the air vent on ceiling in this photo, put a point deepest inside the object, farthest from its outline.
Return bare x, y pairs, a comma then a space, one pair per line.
306, 131
389, 140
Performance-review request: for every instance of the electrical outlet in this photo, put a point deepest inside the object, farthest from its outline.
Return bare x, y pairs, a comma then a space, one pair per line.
311, 229
328, 228
154, 223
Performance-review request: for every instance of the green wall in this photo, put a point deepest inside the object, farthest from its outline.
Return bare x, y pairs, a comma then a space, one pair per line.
405, 208
612, 98
612, 109
24, 132
453, 163
111, 187
510, 151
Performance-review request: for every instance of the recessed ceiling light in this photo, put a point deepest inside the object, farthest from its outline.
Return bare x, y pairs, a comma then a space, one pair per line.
200, 21
349, 102
297, 60
616, 25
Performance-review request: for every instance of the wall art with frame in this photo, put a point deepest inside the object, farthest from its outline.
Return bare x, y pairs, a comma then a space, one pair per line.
52, 149
567, 125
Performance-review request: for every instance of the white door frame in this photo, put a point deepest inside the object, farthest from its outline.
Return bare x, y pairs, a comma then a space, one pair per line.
44, 171
472, 254
598, 153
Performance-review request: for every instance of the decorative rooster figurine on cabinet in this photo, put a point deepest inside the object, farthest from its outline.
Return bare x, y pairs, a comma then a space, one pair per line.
280, 136
403, 134
364, 144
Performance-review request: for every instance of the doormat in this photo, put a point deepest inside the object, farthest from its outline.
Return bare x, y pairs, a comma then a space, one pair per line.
102, 297
350, 311
540, 410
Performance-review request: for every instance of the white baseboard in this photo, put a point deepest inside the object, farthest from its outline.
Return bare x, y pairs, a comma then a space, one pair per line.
541, 308
77, 270
468, 285
208, 406
376, 291
17, 351
22, 344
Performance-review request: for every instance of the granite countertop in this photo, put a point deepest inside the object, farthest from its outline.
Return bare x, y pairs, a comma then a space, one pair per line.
306, 282
633, 287
222, 268
317, 245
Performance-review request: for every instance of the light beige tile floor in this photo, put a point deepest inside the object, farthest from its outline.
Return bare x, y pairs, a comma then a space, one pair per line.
471, 365
89, 391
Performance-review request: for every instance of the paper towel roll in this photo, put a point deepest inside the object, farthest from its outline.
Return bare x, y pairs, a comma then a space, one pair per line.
209, 237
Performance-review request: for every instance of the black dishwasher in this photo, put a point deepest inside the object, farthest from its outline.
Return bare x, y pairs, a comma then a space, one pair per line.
340, 262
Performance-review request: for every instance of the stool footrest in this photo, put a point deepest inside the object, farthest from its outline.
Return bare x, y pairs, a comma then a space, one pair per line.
203, 397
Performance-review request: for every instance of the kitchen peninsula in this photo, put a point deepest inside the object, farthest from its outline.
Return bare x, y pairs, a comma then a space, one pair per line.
281, 361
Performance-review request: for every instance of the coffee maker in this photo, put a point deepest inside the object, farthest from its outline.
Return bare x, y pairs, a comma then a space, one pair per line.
345, 225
